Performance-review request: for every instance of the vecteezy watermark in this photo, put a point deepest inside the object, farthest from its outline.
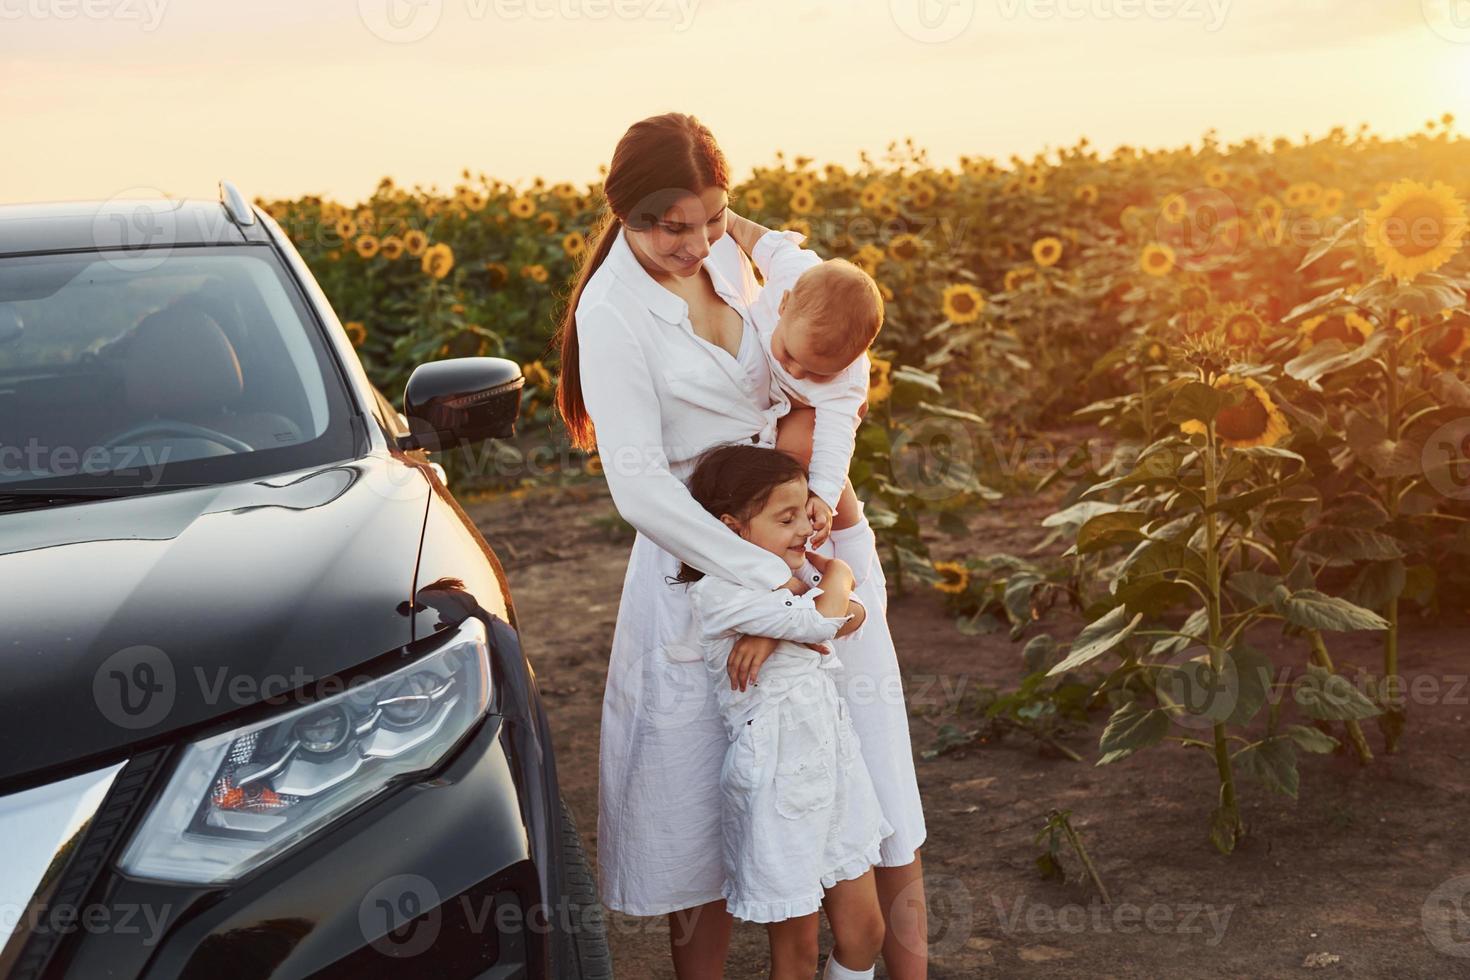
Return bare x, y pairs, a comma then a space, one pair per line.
38, 460
400, 916
135, 687
407, 21
1450, 19
1445, 917
1446, 459
64, 919
932, 21
1159, 918
1210, 13
148, 12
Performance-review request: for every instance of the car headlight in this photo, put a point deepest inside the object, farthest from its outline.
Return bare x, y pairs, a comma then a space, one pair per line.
240, 798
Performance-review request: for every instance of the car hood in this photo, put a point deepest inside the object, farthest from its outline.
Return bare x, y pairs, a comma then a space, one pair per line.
124, 622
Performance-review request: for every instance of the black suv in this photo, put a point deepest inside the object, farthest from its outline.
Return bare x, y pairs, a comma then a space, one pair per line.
263, 705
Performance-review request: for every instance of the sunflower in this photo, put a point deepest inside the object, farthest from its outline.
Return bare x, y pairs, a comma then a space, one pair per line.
1034, 182
1351, 328
755, 200
905, 247
954, 577
1256, 421
522, 207
473, 200
537, 376
887, 210
1087, 194
356, 332
536, 272
1449, 342
1175, 209
1216, 178
1269, 210
948, 179
1296, 196
392, 248
868, 257
1416, 228
872, 196
367, 246
1157, 259
1242, 326
415, 242
1016, 276
923, 196
548, 221
574, 244
1047, 251
1192, 296
880, 382
346, 229
799, 182
366, 221
438, 260
799, 225
1331, 203
564, 191
802, 202
962, 303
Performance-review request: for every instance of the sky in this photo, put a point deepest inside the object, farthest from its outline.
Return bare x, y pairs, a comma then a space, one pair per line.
104, 98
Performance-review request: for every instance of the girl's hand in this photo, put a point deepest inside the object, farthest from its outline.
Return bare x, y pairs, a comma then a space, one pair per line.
746, 657
836, 573
859, 616
820, 515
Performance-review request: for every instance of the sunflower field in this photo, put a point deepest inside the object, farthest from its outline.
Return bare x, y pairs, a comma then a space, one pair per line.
1258, 351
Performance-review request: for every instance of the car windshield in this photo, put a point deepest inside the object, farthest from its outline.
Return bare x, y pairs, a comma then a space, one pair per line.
133, 371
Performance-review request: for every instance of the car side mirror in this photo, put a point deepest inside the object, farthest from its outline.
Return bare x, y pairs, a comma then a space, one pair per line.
460, 400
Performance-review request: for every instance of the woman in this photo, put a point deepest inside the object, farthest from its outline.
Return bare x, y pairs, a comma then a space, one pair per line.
658, 350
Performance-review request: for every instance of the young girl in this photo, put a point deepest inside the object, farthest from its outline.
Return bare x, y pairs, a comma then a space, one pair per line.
801, 823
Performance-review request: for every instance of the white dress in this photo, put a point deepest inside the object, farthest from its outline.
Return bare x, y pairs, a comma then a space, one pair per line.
659, 395
799, 812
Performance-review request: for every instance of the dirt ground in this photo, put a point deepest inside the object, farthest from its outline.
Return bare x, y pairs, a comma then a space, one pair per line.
1367, 875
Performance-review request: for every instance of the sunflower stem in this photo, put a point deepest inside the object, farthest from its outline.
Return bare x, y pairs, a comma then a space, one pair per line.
1355, 731
1233, 827
1389, 691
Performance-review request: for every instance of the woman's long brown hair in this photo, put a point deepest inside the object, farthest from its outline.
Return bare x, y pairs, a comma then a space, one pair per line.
658, 161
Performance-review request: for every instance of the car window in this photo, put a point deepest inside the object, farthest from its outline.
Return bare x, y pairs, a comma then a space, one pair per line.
161, 367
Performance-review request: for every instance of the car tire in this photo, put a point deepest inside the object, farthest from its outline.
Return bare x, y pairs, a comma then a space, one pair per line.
579, 939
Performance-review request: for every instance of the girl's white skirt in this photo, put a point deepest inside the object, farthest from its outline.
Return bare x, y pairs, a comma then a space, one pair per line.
800, 812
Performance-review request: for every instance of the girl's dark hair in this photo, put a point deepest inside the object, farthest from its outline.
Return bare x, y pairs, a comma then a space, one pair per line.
738, 480
657, 162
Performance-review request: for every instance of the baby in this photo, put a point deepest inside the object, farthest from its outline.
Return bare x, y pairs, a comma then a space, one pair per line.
801, 822
816, 321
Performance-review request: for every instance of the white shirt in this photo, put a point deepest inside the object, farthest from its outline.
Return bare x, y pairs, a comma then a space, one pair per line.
724, 611
660, 395
838, 399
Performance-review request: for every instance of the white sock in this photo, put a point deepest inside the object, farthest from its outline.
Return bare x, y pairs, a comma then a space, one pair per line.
836, 971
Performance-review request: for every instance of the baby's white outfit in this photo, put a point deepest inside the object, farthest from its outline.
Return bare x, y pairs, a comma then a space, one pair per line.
799, 810
868, 679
